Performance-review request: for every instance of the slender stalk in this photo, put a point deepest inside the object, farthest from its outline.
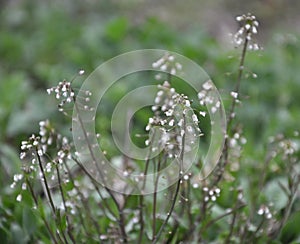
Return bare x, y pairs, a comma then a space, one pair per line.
43, 217
85, 205
288, 208
94, 182
181, 212
225, 152
177, 186
170, 211
69, 226
121, 215
45, 181
238, 83
227, 241
141, 197
141, 218
155, 199
211, 222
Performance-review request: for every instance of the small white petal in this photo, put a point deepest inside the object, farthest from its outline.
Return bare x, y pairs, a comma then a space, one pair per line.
213, 110
202, 113
163, 67
239, 18
207, 85
178, 66
19, 198
260, 211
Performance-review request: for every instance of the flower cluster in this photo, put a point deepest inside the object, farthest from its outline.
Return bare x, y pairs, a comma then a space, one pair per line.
28, 146
211, 194
167, 64
63, 92
265, 211
175, 117
206, 99
37, 158
236, 143
288, 148
248, 28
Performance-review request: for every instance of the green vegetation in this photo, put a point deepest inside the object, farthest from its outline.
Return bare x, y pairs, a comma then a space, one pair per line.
257, 199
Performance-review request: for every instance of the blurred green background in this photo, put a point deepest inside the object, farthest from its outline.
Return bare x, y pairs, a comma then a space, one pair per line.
42, 42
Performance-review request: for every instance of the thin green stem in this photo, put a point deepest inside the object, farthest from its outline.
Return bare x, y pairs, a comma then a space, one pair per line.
42, 216
141, 218
141, 197
155, 199
121, 215
238, 84
225, 152
69, 226
45, 182
85, 205
94, 182
177, 186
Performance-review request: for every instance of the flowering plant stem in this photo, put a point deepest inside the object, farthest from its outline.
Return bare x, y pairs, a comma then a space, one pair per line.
121, 220
238, 84
225, 152
42, 215
155, 240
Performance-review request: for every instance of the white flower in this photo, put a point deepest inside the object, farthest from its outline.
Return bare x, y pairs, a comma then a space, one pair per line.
202, 113
187, 103
207, 86
234, 94
169, 112
171, 123
19, 198
24, 186
195, 118
22, 155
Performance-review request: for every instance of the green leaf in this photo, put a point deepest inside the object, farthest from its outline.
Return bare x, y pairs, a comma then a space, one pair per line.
290, 231
117, 29
275, 194
17, 234
4, 234
29, 221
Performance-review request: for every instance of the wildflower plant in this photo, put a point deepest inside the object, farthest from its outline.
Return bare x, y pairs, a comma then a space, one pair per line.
169, 191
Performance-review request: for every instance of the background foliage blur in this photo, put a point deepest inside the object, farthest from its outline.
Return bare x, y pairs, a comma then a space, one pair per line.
42, 42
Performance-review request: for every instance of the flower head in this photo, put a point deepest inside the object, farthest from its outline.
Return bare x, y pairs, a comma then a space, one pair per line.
63, 92
248, 28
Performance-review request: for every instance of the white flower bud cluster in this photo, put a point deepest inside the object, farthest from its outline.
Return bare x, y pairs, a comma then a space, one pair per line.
169, 110
32, 143
236, 144
49, 137
206, 99
248, 28
167, 64
63, 92
37, 154
288, 148
211, 194
265, 211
